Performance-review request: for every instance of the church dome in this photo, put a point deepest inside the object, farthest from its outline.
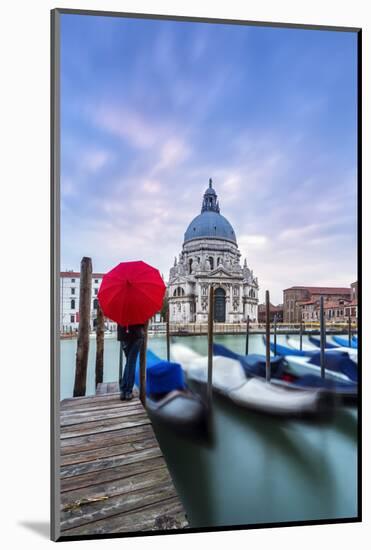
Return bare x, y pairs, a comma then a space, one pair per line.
210, 223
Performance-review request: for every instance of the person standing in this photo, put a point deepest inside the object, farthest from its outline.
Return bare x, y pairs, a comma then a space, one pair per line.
131, 339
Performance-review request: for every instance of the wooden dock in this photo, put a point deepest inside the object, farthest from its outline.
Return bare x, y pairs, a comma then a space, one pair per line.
114, 478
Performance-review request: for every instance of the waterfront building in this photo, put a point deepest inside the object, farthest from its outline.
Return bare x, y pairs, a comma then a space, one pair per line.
303, 303
210, 256
69, 300
275, 312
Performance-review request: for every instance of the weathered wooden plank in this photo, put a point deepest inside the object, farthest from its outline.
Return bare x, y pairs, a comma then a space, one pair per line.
137, 476
167, 514
104, 426
108, 474
87, 418
94, 441
113, 506
109, 462
129, 405
112, 450
90, 399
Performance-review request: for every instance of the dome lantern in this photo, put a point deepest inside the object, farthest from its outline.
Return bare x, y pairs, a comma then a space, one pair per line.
210, 223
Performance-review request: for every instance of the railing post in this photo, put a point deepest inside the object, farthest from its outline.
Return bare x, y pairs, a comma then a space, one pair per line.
82, 352
142, 367
210, 347
247, 335
268, 338
322, 337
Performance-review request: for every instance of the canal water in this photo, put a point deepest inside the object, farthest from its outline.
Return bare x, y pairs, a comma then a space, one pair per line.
260, 468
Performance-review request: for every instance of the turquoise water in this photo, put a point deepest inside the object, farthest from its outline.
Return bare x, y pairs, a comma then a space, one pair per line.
260, 468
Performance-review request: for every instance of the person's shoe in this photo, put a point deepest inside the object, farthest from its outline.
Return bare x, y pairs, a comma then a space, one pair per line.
126, 396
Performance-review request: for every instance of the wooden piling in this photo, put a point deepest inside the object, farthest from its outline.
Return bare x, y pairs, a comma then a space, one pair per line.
322, 338
168, 334
99, 329
301, 335
210, 337
350, 331
275, 335
84, 328
247, 335
142, 371
267, 338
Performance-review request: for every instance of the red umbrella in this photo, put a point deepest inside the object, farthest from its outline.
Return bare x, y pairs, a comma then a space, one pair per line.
131, 293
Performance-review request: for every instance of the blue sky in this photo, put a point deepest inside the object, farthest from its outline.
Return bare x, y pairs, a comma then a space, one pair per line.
151, 109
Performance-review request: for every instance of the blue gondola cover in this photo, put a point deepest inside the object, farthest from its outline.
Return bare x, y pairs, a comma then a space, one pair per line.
339, 362
344, 342
254, 363
161, 376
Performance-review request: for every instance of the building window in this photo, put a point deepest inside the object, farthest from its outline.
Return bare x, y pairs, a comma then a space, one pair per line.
211, 260
73, 304
72, 318
72, 291
72, 280
95, 304
96, 280
95, 291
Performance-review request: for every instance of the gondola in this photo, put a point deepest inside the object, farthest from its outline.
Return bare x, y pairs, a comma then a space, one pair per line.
317, 342
294, 343
168, 399
231, 381
302, 374
279, 349
291, 349
344, 342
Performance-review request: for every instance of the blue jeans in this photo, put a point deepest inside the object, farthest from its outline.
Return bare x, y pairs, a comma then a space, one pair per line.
131, 348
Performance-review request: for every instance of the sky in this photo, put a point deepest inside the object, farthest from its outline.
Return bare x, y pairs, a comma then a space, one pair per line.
151, 109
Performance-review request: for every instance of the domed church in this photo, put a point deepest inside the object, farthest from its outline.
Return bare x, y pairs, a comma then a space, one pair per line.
210, 256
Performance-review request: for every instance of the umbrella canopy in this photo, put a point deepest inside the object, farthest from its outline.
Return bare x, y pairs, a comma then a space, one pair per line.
131, 293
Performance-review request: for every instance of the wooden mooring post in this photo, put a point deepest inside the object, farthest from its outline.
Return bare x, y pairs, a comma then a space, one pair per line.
350, 331
301, 335
82, 352
322, 338
168, 334
275, 335
210, 338
99, 330
267, 338
143, 363
247, 335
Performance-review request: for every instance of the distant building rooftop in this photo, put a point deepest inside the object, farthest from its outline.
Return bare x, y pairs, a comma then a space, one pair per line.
321, 289
77, 274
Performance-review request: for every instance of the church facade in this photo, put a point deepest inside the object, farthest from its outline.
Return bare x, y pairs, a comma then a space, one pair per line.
210, 256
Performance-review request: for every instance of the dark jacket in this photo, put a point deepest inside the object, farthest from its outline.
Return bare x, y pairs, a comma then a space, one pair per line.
130, 332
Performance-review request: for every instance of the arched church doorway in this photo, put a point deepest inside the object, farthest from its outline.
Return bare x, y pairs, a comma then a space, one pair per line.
219, 305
